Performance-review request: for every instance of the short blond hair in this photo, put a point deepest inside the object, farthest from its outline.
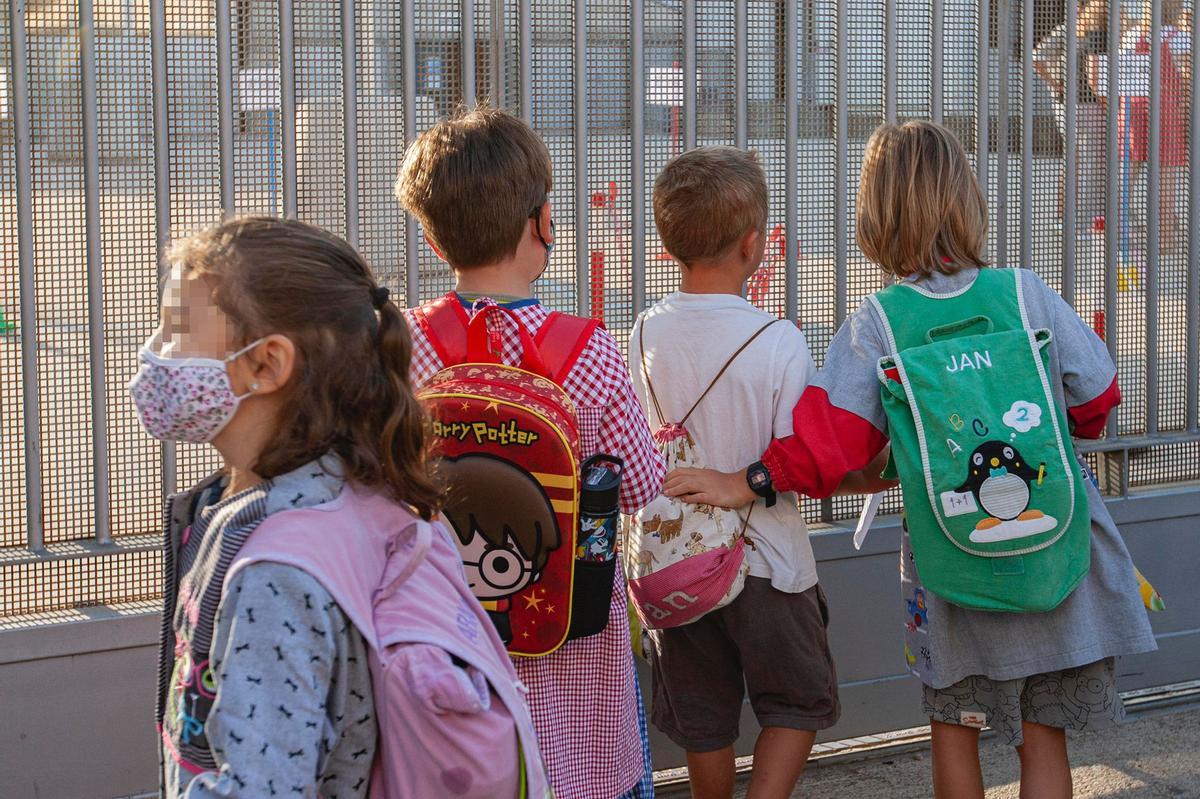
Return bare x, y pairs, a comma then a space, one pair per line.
473, 182
920, 209
708, 198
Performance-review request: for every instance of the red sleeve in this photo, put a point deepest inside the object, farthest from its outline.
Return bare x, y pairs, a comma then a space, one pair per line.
828, 444
1088, 419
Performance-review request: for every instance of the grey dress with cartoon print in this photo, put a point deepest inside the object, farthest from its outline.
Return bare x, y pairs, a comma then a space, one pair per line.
1103, 617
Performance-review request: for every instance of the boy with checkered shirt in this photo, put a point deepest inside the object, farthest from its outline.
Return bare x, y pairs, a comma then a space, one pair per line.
480, 185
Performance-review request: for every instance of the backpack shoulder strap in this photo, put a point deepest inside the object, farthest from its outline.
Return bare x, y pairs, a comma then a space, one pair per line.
444, 322
561, 340
724, 369
728, 363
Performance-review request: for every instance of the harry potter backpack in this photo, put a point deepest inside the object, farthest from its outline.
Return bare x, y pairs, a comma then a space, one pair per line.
994, 496
508, 440
682, 560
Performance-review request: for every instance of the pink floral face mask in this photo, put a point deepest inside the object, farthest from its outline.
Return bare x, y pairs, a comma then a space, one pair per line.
185, 399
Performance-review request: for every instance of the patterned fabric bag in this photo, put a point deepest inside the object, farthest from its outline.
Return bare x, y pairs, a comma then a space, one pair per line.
683, 560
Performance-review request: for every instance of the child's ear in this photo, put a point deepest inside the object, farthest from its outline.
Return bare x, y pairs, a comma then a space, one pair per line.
434, 247
542, 222
752, 246
268, 367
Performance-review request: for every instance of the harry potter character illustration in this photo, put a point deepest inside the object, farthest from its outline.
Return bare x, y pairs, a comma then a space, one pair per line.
506, 529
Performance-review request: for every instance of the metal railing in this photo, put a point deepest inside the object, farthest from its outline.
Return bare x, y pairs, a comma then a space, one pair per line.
129, 121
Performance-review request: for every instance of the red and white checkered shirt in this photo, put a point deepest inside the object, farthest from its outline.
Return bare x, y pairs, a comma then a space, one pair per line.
582, 697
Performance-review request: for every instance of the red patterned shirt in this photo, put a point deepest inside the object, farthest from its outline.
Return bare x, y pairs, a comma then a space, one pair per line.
582, 697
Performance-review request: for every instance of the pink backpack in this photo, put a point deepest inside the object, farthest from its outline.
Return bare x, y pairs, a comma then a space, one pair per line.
443, 730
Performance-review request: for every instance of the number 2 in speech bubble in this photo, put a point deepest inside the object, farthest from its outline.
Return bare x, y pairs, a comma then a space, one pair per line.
1023, 416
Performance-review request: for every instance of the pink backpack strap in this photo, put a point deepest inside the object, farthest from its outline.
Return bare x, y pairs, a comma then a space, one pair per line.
349, 565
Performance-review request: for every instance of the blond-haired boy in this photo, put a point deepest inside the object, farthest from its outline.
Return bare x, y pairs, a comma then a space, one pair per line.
710, 207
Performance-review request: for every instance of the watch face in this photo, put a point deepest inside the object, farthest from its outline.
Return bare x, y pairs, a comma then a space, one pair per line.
758, 479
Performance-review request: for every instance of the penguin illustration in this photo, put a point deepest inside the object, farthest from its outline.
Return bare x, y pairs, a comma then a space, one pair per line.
1000, 479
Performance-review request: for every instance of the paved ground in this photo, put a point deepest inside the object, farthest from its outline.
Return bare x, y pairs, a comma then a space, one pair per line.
1153, 757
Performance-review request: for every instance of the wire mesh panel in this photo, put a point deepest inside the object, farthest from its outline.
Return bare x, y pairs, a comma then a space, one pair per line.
1076, 118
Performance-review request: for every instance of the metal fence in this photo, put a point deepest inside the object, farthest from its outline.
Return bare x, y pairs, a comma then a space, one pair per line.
126, 122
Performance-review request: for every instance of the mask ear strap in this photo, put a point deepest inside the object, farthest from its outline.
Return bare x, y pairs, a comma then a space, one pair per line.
244, 350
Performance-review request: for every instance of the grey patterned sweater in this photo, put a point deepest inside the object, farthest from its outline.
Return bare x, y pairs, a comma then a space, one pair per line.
284, 700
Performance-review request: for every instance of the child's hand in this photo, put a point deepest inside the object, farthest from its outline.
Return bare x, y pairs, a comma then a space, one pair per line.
710, 487
868, 480
862, 482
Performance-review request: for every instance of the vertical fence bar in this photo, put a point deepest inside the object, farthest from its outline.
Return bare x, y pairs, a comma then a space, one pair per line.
1070, 144
30, 391
95, 273
1026, 258
468, 54
890, 47
350, 119
1153, 217
938, 37
225, 107
791, 173
162, 178
1112, 212
983, 108
841, 190
1193, 280
582, 261
637, 85
412, 269
498, 54
1003, 61
740, 69
287, 106
525, 23
689, 74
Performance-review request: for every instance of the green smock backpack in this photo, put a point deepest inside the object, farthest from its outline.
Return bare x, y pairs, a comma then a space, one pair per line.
993, 495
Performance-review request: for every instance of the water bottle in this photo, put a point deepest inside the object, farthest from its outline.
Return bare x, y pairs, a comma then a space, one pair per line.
599, 508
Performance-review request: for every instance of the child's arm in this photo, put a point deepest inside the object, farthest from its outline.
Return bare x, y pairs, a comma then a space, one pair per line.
839, 423
868, 480
1089, 375
273, 659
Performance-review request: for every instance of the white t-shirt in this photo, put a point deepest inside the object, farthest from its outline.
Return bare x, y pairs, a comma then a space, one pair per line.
688, 338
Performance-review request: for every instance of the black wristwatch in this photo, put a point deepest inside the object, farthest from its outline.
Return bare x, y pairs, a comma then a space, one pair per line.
759, 480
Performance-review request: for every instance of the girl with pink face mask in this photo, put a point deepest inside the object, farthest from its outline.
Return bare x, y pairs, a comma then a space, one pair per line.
278, 347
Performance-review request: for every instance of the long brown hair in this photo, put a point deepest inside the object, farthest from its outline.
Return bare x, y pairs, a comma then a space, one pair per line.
920, 209
350, 393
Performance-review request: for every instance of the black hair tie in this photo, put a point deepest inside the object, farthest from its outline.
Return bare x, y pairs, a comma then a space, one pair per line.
379, 296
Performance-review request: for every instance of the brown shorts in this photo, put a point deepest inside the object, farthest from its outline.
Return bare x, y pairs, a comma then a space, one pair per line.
767, 643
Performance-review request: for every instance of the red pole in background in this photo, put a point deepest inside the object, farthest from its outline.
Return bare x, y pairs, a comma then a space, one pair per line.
598, 284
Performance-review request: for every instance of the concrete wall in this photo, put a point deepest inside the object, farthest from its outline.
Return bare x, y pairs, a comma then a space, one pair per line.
77, 698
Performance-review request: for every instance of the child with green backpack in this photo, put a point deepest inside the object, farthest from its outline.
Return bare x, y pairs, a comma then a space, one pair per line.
1018, 590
